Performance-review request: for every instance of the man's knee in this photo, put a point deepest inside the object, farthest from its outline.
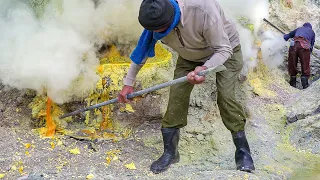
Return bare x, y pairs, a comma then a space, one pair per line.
172, 121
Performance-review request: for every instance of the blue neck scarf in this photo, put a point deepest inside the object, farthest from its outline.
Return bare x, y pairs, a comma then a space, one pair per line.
148, 39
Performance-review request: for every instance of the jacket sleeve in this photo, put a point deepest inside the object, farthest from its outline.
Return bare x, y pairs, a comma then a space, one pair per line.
134, 69
312, 42
216, 37
290, 35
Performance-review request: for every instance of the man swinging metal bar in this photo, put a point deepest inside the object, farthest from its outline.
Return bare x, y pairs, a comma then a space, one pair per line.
200, 33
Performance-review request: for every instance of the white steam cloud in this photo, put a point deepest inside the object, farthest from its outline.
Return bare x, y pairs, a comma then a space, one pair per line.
54, 52
254, 11
50, 45
271, 48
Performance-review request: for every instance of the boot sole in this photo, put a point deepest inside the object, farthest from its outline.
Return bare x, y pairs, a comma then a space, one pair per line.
166, 168
246, 169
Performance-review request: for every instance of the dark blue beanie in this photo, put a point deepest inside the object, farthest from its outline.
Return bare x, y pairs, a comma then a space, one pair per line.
156, 14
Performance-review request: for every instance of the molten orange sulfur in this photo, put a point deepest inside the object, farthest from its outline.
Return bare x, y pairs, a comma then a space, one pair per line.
50, 125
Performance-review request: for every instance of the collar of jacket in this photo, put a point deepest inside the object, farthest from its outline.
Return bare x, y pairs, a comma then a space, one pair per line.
181, 6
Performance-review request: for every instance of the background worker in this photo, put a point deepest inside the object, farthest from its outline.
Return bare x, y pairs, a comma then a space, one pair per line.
304, 38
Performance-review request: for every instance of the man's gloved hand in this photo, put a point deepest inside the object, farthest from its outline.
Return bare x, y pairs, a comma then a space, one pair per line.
193, 78
122, 97
286, 37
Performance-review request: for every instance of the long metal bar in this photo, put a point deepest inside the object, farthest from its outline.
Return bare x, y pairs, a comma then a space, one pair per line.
273, 26
144, 91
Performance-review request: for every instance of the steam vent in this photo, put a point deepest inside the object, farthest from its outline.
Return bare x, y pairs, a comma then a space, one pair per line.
60, 56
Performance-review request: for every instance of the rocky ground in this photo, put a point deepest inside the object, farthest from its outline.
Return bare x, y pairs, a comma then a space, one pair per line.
283, 131
281, 149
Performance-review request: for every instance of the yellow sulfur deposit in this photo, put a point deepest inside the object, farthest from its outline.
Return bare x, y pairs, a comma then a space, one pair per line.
130, 166
28, 145
113, 56
52, 145
111, 70
74, 151
127, 108
27, 153
259, 87
90, 176
260, 78
48, 113
21, 169
112, 155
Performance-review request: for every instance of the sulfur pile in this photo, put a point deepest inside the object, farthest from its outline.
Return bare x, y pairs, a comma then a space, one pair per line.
111, 70
70, 58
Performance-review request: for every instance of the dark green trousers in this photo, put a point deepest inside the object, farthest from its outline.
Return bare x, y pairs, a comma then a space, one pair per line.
231, 111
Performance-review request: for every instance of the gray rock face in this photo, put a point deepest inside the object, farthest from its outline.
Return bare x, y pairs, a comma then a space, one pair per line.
2, 106
304, 112
200, 137
304, 104
307, 134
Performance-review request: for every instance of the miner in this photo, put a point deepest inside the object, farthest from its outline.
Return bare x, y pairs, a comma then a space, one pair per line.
301, 48
204, 37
